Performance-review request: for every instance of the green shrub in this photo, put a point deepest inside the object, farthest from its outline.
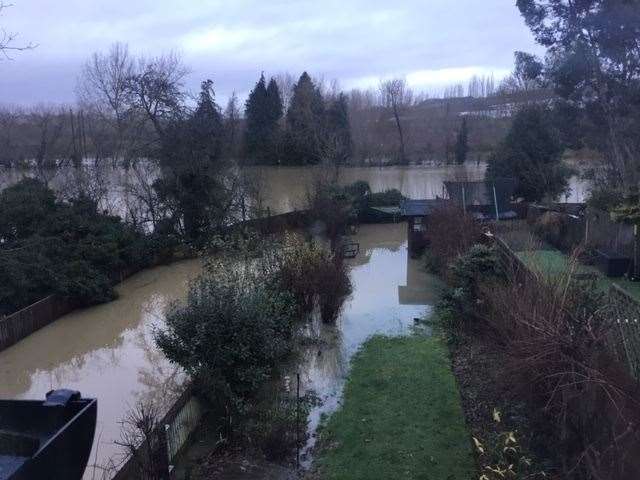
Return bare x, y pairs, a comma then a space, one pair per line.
458, 305
230, 333
69, 248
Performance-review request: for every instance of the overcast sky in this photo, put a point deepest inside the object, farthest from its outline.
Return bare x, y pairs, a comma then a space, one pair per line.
431, 42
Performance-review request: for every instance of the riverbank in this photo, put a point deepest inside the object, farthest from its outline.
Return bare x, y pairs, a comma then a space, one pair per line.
401, 416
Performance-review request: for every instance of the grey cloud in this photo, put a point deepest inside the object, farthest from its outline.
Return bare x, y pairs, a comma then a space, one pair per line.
232, 42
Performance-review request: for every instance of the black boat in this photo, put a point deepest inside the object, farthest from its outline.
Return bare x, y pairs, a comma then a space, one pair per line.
46, 440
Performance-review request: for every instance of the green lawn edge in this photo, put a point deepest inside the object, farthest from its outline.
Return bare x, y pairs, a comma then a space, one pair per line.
553, 262
400, 417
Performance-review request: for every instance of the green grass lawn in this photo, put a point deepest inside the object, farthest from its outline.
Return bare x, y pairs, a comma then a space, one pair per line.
401, 416
553, 262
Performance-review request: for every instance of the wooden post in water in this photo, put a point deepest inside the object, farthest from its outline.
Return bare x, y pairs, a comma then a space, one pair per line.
298, 420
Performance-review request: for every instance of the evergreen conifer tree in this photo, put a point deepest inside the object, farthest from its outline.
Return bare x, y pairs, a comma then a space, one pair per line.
305, 123
256, 122
462, 142
339, 130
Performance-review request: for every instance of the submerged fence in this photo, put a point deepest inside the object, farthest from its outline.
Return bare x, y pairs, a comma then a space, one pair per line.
23, 323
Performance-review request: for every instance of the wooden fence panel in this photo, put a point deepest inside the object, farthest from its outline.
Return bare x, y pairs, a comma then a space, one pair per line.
23, 323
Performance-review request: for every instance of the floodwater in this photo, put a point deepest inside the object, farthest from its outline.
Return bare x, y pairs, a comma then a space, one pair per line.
390, 290
106, 352
280, 189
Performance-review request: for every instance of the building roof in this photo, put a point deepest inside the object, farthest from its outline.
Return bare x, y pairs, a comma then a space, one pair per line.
420, 208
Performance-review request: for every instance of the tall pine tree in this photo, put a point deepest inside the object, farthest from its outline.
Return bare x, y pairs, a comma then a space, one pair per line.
263, 114
462, 142
256, 118
338, 136
305, 123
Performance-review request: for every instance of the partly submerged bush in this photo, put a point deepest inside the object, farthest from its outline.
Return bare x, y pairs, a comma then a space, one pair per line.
315, 277
230, 333
391, 197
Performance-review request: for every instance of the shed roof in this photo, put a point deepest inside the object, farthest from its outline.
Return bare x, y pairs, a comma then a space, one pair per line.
420, 208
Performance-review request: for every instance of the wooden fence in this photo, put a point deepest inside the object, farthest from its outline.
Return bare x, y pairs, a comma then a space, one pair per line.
172, 435
624, 338
23, 323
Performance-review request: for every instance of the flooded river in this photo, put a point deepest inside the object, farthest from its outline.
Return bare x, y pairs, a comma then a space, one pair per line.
108, 351
105, 352
280, 189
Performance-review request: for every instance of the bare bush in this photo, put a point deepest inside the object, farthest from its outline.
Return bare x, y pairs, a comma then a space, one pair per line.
450, 232
139, 436
555, 335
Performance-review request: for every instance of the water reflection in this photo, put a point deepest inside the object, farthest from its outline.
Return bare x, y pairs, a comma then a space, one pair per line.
390, 289
105, 351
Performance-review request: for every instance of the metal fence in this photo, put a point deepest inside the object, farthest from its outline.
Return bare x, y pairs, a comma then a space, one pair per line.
625, 337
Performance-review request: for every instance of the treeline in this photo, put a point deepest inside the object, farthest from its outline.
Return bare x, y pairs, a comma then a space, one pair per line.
314, 129
124, 102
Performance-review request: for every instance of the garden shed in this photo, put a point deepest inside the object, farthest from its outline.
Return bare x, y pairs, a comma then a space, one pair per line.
416, 213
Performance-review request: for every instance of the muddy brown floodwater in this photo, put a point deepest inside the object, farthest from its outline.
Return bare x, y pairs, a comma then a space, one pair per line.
105, 352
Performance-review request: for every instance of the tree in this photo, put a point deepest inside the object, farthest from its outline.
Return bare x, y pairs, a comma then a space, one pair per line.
594, 63
397, 97
339, 131
532, 155
156, 90
104, 87
263, 114
305, 123
7, 39
462, 142
232, 125
526, 76
274, 116
193, 183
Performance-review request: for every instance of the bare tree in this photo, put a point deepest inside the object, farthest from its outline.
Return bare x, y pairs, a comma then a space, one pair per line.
104, 86
157, 89
7, 39
49, 123
397, 97
9, 126
285, 82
